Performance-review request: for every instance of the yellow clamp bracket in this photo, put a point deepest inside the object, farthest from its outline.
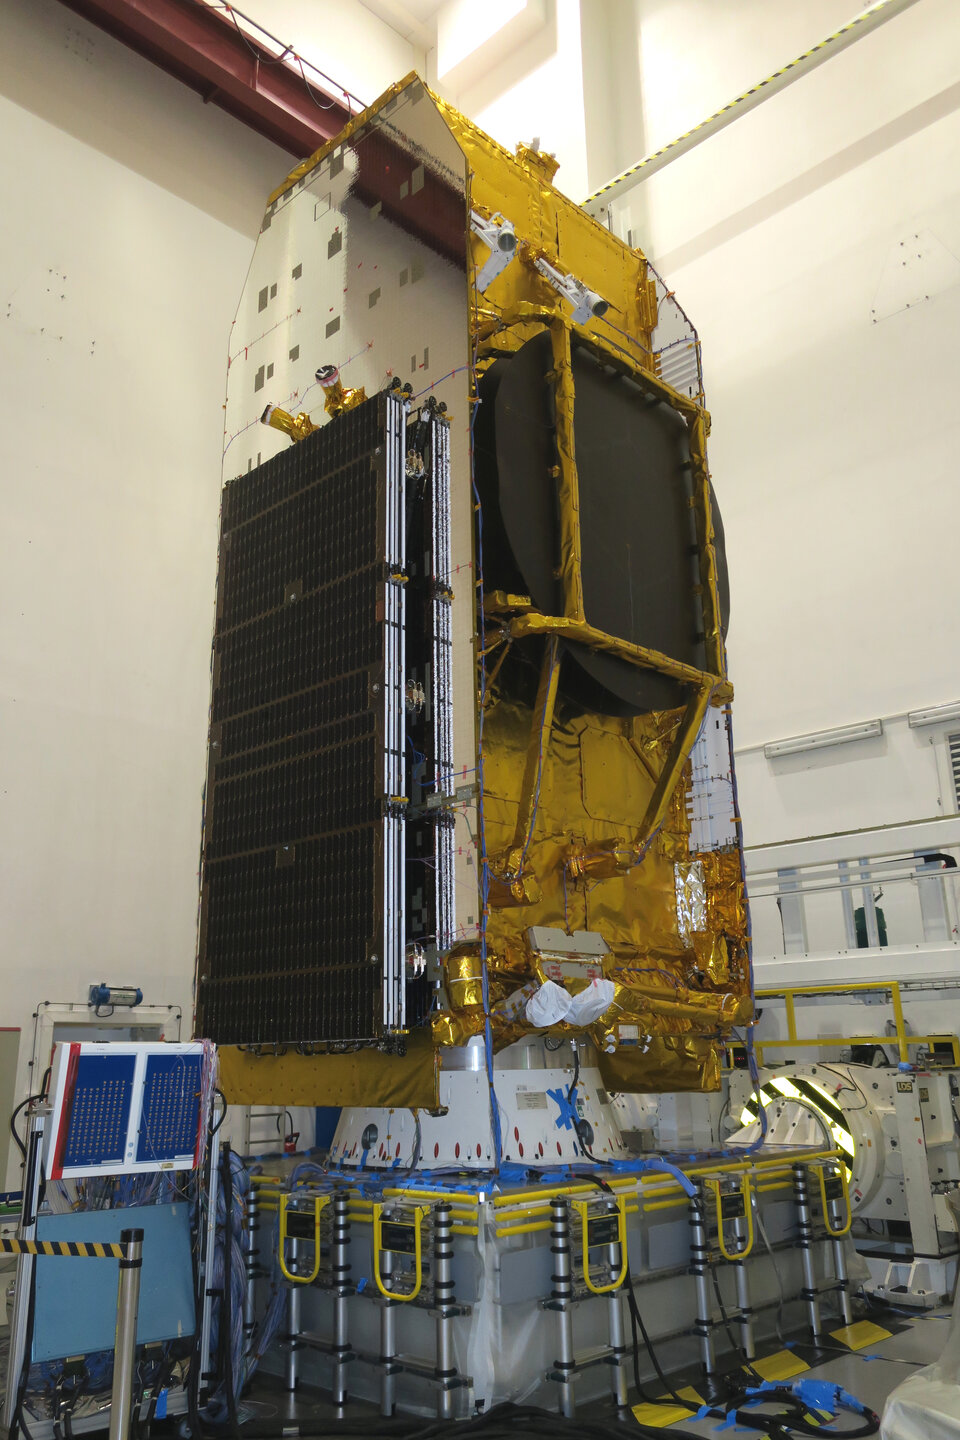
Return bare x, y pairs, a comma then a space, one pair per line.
388, 1235
744, 1190
826, 1201
319, 1204
583, 1208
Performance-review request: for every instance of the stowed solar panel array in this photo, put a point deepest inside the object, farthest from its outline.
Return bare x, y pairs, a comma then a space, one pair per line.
442, 676
302, 925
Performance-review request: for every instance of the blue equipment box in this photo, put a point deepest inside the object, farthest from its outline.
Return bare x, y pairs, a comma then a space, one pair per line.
75, 1311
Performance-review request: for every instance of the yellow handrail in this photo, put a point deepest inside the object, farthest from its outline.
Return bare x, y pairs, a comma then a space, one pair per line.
904, 1040
459, 1197
519, 1197
825, 1203
319, 1204
745, 1191
419, 1211
583, 1206
525, 1229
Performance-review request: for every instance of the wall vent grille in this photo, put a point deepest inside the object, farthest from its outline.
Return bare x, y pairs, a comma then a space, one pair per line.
953, 757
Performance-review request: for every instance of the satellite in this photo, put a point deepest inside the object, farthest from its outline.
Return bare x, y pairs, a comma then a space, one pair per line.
470, 777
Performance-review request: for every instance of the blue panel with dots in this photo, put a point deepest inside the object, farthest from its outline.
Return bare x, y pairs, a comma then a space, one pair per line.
100, 1112
170, 1115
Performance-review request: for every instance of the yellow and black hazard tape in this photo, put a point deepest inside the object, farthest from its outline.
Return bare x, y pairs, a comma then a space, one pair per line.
816, 54
89, 1250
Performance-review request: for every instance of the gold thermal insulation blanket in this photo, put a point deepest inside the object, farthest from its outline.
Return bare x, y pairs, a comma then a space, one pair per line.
582, 815
676, 989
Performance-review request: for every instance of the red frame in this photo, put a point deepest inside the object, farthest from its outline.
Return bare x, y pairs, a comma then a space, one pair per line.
207, 51
66, 1110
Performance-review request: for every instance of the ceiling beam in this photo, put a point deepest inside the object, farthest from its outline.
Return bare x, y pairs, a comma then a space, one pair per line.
211, 51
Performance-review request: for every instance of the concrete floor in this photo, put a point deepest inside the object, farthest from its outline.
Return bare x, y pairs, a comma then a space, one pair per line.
872, 1373
869, 1375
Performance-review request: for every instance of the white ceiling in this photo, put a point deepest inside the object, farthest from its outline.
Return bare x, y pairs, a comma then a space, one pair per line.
413, 19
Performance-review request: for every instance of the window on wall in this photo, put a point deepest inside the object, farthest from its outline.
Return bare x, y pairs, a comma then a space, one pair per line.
9, 1051
953, 764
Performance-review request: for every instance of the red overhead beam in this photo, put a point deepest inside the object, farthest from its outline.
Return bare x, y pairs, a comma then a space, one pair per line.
213, 52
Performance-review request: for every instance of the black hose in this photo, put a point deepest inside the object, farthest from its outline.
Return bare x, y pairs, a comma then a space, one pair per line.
223, 1113
140, 1426
13, 1129
508, 1421
796, 1420
193, 1375
636, 1323
503, 1422
736, 1346
18, 1420
580, 1127
41, 1095
226, 1295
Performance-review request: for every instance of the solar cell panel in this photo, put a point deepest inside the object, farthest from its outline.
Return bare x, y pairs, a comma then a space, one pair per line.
302, 930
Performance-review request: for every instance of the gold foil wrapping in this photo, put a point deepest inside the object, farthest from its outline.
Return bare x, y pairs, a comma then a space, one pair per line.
680, 975
358, 1077
585, 814
672, 1063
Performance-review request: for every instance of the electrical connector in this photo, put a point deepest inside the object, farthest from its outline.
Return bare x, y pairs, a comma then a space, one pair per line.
587, 304
499, 234
821, 1395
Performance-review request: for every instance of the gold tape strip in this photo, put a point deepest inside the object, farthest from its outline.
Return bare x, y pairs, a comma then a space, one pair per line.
407, 1082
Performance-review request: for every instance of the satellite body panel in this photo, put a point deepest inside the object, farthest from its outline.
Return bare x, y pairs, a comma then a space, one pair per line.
470, 654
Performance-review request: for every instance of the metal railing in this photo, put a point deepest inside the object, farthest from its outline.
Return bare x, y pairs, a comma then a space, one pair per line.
891, 887
129, 1252
902, 1037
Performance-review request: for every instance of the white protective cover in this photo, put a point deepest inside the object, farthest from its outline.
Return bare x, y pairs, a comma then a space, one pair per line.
553, 1003
548, 1006
926, 1406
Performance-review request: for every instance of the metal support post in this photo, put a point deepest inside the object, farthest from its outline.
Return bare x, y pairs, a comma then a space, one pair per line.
27, 1230
809, 1292
388, 1340
703, 1324
846, 901
921, 1204
561, 1300
205, 1266
125, 1345
292, 1366
843, 1281
444, 1301
869, 906
792, 913
340, 1269
618, 1349
743, 1290
251, 1257
932, 894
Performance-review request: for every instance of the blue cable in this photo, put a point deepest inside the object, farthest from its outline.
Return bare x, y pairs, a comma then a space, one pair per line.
481, 819
536, 791
751, 1055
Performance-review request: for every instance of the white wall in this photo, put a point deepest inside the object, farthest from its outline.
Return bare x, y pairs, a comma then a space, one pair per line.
131, 211
345, 40
545, 100
835, 423
553, 81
